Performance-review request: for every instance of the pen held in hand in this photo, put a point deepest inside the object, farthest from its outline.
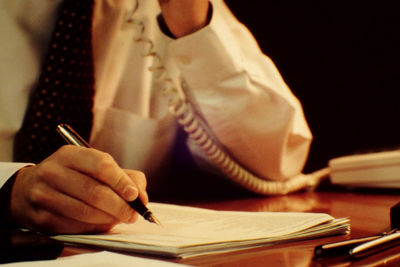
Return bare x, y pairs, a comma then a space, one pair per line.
73, 138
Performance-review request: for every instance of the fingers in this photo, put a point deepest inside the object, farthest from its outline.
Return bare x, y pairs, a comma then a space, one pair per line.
47, 198
81, 188
139, 179
100, 166
76, 190
28, 208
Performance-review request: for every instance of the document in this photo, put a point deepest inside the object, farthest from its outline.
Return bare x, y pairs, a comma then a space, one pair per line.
98, 259
188, 231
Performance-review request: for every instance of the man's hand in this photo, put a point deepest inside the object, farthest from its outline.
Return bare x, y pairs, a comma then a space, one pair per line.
184, 16
75, 190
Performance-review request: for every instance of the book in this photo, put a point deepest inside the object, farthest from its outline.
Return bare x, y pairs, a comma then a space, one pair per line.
190, 231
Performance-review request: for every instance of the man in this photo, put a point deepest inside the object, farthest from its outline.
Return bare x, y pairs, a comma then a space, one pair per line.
234, 88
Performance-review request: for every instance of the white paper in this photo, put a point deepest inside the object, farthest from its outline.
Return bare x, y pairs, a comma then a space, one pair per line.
99, 259
188, 230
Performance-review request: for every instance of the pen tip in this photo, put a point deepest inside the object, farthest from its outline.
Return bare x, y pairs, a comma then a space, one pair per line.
153, 219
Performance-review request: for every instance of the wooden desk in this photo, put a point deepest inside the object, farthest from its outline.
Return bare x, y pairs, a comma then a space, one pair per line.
368, 212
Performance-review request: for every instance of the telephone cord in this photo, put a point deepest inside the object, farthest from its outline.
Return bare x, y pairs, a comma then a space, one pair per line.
193, 125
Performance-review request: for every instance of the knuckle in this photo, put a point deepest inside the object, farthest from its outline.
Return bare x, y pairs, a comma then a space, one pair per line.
64, 151
120, 181
142, 179
105, 164
37, 196
43, 170
97, 194
47, 171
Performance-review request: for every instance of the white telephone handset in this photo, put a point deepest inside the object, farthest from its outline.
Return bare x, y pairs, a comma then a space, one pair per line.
194, 126
380, 169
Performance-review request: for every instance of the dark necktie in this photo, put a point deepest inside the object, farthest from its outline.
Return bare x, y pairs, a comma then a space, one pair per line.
65, 89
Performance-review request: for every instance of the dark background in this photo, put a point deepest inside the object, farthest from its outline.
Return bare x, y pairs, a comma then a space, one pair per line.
341, 59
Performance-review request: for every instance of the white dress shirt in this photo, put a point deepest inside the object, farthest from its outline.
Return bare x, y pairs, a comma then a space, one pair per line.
236, 89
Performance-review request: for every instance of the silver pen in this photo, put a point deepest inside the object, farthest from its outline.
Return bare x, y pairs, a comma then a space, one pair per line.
386, 241
73, 138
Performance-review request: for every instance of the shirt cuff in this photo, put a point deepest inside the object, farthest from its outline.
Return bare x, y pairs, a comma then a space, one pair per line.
7, 169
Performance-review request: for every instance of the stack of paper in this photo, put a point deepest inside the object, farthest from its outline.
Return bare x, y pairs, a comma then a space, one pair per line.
188, 231
99, 259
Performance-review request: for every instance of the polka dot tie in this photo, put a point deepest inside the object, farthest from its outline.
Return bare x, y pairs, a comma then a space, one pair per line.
65, 89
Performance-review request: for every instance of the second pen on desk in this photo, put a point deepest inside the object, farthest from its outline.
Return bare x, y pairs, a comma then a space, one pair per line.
73, 138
